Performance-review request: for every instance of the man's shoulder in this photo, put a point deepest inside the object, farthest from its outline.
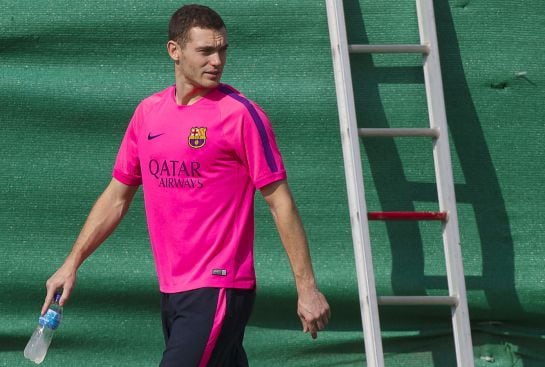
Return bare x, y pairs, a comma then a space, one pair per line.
235, 94
235, 100
157, 97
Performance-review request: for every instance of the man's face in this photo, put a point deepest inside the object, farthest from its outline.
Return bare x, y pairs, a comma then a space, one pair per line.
203, 57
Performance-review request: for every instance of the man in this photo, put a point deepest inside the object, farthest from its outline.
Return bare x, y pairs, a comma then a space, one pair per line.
200, 149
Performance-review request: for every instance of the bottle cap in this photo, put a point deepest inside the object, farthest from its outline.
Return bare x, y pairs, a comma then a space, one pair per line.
57, 296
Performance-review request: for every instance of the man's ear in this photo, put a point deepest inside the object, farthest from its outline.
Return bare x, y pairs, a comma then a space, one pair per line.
174, 51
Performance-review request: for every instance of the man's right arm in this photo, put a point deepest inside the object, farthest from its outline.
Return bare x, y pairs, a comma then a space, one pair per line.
104, 217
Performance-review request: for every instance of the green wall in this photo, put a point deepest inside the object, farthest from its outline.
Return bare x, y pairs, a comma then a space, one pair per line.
71, 73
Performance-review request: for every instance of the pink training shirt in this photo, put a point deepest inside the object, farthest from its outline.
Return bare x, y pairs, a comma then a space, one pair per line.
199, 166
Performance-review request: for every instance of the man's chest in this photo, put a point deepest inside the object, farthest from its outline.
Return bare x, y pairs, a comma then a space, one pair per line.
183, 145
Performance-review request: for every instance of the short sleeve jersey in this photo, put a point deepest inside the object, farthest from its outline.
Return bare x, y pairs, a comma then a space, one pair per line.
199, 166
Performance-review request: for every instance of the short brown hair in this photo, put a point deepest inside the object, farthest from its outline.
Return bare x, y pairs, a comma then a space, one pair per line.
189, 16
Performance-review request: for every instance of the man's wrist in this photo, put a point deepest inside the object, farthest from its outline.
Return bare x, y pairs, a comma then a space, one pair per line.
306, 285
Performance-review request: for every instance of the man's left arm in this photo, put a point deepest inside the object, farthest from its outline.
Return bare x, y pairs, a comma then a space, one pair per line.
312, 307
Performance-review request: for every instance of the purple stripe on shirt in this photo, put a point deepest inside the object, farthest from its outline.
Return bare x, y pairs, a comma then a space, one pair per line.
269, 156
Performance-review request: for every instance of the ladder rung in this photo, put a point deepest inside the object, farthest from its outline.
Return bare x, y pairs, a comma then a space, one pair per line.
407, 216
367, 49
418, 301
391, 132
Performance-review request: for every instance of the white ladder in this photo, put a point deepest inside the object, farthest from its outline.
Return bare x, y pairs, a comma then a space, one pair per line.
359, 216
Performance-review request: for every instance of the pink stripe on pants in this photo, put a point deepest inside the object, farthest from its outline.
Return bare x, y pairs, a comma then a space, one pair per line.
216, 328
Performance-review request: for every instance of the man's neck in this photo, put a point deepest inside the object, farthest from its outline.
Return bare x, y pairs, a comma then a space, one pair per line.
187, 94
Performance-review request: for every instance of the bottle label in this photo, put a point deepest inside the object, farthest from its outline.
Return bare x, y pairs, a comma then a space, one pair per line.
51, 319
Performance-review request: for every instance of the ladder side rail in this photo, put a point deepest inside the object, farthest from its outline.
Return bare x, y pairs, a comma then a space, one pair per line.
445, 184
354, 181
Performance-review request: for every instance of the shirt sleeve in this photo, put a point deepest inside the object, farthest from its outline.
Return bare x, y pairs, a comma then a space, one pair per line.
127, 164
263, 158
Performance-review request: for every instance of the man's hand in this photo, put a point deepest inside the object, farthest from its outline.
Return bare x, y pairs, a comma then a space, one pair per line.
313, 310
64, 278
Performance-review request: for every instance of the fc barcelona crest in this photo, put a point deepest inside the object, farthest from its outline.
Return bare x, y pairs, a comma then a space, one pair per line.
197, 138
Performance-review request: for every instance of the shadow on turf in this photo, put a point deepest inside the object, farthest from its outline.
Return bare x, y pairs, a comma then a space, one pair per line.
393, 348
13, 342
502, 349
278, 311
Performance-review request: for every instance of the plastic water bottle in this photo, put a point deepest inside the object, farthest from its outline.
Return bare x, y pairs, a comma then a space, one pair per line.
37, 346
